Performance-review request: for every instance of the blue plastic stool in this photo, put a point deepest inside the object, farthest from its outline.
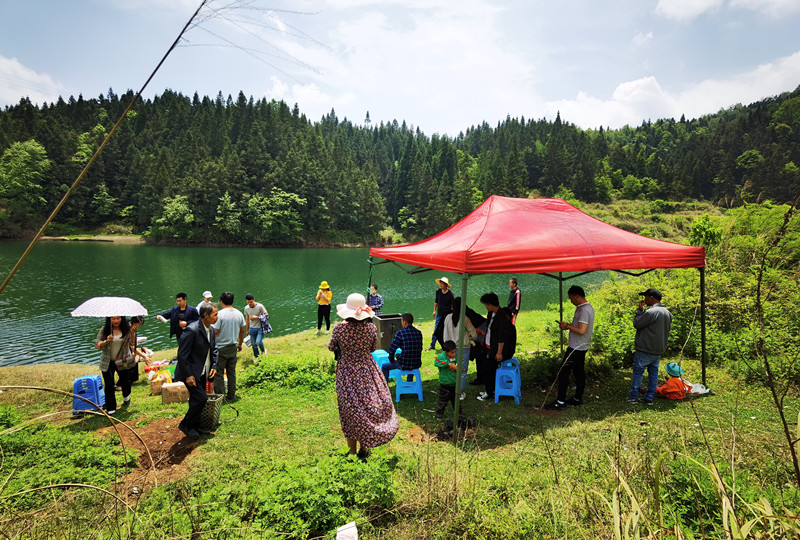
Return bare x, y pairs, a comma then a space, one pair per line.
380, 356
406, 387
508, 381
89, 387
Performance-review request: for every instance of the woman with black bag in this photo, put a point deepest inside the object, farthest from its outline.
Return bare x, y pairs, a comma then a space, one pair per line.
114, 340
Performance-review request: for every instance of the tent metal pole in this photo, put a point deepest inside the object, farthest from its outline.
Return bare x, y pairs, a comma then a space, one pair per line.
561, 308
703, 321
460, 353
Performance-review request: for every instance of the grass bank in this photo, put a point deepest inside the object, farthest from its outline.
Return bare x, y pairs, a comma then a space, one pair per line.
275, 469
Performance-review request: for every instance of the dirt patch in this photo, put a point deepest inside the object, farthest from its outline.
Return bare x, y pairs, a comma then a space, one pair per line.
168, 447
416, 434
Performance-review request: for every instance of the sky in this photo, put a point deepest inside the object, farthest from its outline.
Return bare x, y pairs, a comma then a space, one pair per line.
439, 65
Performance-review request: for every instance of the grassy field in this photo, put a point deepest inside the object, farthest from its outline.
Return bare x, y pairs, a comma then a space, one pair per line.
275, 467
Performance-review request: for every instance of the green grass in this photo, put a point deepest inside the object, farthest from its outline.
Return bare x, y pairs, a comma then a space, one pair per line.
522, 474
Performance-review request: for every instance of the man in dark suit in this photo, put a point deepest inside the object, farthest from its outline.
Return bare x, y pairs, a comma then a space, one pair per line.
197, 361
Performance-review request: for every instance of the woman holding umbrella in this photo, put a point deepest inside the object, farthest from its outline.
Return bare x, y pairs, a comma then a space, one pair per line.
114, 340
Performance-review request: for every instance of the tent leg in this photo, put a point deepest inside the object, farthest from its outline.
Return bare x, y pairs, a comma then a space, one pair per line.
460, 353
703, 321
561, 309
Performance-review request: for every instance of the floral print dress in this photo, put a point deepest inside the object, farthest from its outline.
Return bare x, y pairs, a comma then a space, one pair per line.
366, 411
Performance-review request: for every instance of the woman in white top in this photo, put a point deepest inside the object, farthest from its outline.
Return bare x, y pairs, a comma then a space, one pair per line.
450, 333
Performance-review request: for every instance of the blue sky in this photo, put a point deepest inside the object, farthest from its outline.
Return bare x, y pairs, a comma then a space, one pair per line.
439, 65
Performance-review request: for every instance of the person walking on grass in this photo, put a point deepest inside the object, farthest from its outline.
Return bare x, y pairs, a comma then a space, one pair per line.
366, 411
253, 311
652, 330
580, 336
197, 362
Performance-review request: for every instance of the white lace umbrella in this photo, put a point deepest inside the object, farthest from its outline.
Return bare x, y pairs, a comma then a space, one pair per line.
109, 306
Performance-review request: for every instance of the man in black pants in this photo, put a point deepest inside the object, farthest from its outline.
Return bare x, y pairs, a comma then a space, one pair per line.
501, 340
580, 336
197, 361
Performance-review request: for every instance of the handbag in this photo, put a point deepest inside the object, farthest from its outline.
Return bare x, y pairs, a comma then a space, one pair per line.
124, 363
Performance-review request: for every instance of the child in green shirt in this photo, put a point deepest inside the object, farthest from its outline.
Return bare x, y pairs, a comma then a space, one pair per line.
447, 377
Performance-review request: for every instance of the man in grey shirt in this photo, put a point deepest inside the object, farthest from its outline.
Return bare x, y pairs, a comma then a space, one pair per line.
580, 336
230, 329
652, 330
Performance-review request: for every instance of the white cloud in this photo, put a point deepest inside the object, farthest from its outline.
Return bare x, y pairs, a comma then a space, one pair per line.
635, 101
435, 67
686, 10
772, 8
764, 81
640, 39
18, 81
631, 103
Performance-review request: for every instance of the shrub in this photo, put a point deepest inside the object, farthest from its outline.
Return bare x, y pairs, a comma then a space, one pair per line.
307, 498
46, 455
308, 372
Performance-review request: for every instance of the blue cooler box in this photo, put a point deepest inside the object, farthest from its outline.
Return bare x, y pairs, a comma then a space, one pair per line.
91, 388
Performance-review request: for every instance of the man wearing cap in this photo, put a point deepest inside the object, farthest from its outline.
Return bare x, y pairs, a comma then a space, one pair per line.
442, 306
652, 330
207, 296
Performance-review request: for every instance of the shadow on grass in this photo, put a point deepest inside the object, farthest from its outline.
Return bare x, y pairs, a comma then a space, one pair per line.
505, 423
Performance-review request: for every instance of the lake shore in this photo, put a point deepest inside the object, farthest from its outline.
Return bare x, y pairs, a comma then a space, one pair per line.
118, 239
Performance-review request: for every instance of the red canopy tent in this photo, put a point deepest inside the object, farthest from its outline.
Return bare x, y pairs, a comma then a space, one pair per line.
507, 235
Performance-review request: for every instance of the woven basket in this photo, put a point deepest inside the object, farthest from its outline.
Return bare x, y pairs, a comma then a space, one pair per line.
209, 418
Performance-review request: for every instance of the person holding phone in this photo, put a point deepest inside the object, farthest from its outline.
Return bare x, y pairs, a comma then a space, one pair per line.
580, 337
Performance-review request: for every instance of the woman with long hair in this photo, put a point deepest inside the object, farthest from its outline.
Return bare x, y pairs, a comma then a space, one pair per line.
114, 341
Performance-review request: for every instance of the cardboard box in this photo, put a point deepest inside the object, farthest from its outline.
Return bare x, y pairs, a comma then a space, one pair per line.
155, 387
174, 393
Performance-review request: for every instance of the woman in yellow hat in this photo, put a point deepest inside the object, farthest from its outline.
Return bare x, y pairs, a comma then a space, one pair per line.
324, 296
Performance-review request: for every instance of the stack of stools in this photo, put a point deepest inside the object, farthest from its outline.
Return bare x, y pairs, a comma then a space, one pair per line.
507, 380
380, 356
91, 388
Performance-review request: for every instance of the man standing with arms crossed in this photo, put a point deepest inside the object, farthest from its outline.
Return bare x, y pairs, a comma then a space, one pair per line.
230, 328
652, 330
197, 361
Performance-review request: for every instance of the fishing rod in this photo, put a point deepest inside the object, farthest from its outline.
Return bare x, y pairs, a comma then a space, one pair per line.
97, 152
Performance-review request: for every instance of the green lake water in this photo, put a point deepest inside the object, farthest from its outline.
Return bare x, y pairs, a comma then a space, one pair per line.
36, 325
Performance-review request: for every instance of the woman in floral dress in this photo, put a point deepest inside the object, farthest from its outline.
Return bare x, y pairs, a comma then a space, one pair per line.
366, 411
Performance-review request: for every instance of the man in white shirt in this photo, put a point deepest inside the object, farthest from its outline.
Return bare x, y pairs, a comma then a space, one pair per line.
253, 310
580, 336
230, 329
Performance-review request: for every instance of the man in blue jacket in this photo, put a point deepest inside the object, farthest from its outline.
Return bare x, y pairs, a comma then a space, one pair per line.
179, 316
197, 362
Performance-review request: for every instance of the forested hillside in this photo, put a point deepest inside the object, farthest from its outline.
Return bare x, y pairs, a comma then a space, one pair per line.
221, 170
